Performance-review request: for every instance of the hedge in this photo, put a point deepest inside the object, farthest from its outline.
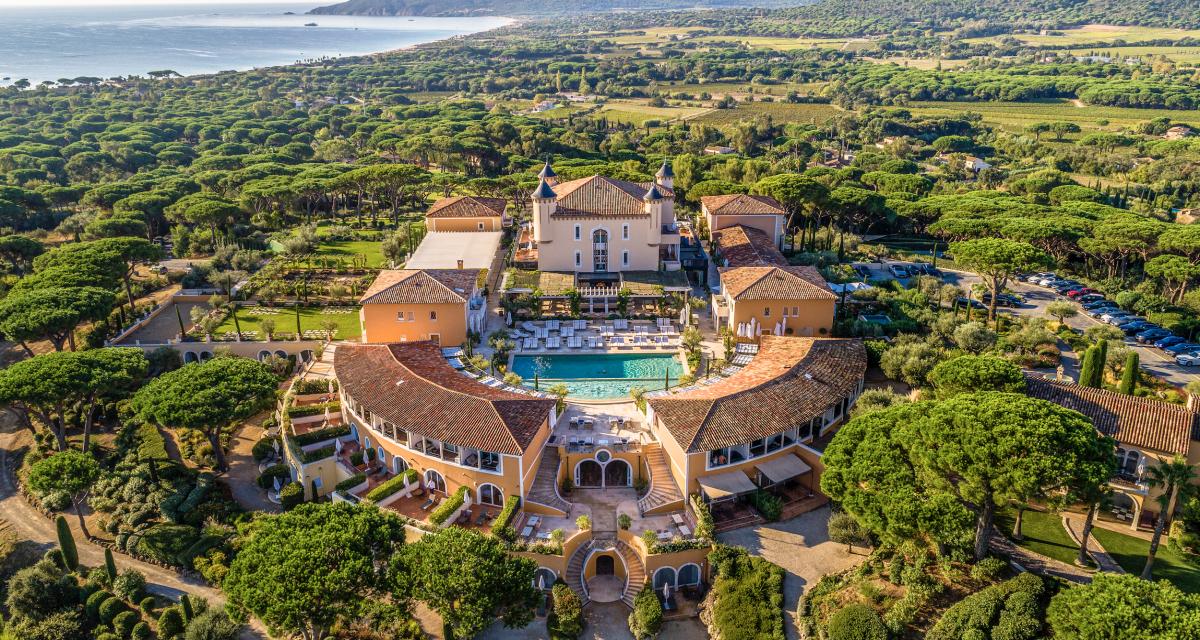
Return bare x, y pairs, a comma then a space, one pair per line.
313, 385
313, 409
167, 542
393, 485
351, 482
263, 448
267, 479
502, 525
318, 454
1012, 609
328, 433
747, 595
448, 506
291, 495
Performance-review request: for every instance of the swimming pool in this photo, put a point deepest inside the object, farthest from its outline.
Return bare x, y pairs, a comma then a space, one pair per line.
608, 375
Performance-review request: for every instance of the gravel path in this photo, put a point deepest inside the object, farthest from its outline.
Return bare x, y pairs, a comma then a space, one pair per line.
1074, 527
1037, 563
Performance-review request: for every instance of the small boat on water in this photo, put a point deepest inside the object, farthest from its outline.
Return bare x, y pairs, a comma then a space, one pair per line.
310, 24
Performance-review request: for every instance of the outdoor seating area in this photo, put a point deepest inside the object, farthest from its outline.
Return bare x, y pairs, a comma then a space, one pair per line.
607, 428
596, 336
455, 357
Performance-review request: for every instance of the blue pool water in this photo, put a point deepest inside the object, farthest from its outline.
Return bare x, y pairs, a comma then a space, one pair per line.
600, 375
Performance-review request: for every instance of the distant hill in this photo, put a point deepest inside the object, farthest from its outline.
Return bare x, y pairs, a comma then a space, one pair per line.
525, 7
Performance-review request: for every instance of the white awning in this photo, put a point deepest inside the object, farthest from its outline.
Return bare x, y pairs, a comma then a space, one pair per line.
723, 486
783, 468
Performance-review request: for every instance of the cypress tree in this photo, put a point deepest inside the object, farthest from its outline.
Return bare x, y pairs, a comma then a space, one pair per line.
66, 543
187, 607
1085, 366
1101, 361
1129, 377
110, 565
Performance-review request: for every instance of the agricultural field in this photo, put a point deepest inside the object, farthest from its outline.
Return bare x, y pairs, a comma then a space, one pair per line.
635, 113
778, 111
925, 64
789, 44
743, 88
649, 36
1179, 55
1091, 33
1015, 116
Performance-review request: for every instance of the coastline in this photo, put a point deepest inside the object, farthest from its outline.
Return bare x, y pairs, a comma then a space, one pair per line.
227, 51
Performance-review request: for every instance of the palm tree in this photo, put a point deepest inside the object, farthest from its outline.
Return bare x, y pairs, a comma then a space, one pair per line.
1174, 477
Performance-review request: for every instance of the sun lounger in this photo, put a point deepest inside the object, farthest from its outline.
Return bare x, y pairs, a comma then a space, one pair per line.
552, 325
428, 503
553, 343
580, 324
621, 324
456, 363
593, 342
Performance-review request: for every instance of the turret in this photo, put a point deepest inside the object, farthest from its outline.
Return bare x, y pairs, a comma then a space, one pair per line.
665, 176
654, 203
545, 201
547, 174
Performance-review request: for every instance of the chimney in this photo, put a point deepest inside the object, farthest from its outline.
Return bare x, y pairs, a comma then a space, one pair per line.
460, 264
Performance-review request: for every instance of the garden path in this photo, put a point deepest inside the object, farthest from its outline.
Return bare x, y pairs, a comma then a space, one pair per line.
1106, 562
242, 477
1037, 563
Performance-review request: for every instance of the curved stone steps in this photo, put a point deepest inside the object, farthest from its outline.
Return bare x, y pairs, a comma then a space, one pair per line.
574, 577
545, 484
663, 495
635, 573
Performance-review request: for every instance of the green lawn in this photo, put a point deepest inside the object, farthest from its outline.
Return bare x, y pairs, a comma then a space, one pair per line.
348, 249
1130, 553
311, 319
1015, 116
1043, 533
779, 112
1095, 33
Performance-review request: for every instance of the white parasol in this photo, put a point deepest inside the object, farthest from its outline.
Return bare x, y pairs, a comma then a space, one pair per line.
666, 591
778, 328
277, 484
337, 445
541, 582
1141, 468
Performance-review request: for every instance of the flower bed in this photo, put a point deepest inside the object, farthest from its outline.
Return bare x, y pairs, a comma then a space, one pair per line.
313, 437
314, 409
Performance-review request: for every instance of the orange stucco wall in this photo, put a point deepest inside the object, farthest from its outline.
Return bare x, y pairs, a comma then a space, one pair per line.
379, 323
464, 224
814, 318
770, 225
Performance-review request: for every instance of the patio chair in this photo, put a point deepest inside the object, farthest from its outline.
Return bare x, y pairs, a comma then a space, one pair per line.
428, 503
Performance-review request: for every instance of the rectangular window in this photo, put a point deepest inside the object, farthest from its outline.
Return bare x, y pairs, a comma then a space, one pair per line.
625, 258
577, 232
757, 447
795, 312
411, 318
399, 316
624, 232
481, 226
578, 259
766, 312
433, 316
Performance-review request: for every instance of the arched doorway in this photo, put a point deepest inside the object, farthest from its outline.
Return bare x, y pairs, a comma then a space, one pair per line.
399, 466
617, 474
490, 494
190, 357
544, 578
605, 565
589, 473
664, 576
263, 355
689, 574
205, 356
435, 481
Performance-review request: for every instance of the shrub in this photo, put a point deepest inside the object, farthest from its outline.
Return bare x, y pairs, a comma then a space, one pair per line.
647, 617
988, 569
66, 544
151, 444
747, 595
141, 631
502, 525
448, 506
170, 623
148, 604
767, 504
584, 522
393, 485
351, 482
705, 526
320, 435
92, 605
109, 609
130, 585
167, 542
310, 457
267, 479
123, 623
856, 622
263, 448
624, 521
291, 495
314, 409
1011, 610
212, 624
566, 617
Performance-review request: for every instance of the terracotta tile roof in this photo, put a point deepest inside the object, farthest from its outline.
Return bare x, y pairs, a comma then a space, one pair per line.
743, 246
741, 204
598, 195
775, 283
1138, 422
467, 207
421, 286
411, 385
789, 382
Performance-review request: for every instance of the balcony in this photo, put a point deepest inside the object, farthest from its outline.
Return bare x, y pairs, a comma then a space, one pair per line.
670, 229
1129, 483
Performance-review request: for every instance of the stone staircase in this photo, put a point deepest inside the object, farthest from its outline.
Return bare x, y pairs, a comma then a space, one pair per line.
635, 571
545, 484
574, 576
664, 495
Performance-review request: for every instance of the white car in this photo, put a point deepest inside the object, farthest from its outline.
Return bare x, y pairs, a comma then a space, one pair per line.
1188, 359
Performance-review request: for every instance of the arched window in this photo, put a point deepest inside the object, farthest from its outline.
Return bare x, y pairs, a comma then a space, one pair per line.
689, 574
664, 576
399, 466
434, 481
544, 578
491, 494
599, 250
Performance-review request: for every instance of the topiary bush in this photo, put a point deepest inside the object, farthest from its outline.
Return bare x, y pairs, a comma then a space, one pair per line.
291, 495
92, 605
647, 617
110, 608
170, 622
856, 622
141, 631
130, 585
148, 604
1011, 610
124, 622
565, 619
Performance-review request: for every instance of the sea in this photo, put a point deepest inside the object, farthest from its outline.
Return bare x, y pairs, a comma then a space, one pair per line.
41, 43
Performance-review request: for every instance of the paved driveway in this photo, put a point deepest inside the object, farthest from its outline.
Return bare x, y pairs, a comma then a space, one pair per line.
802, 547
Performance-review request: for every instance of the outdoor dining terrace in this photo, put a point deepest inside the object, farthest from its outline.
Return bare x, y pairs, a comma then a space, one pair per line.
583, 429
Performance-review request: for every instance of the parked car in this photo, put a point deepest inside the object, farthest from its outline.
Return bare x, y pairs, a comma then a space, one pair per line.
1100, 311
970, 301
1099, 304
1163, 343
1089, 298
1002, 300
1062, 288
925, 269
1188, 359
899, 270
863, 271
1149, 336
1137, 326
1182, 347
1115, 316
1033, 277
1080, 292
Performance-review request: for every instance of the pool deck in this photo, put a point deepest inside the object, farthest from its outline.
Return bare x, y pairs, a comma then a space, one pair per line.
633, 429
